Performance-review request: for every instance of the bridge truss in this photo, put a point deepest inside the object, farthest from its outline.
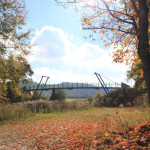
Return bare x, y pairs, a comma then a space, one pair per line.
67, 85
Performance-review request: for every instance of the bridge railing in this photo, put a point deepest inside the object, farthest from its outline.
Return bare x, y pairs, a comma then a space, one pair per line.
73, 85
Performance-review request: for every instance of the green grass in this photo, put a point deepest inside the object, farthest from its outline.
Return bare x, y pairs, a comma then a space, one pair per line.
73, 109
72, 99
128, 116
37, 109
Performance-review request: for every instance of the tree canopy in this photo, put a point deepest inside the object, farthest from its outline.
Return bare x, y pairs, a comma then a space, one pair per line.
14, 46
123, 23
58, 94
115, 21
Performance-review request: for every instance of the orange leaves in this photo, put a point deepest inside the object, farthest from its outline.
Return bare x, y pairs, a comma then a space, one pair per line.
81, 132
124, 54
115, 23
87, 21
109, 16
106, 134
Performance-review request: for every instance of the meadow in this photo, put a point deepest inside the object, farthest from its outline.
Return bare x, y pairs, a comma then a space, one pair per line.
74, 99
89, 128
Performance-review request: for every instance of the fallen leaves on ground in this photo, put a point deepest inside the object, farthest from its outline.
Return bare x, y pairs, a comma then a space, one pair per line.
75, 133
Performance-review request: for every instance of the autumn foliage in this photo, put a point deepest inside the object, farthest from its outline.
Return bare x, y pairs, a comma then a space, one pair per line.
104, 128
14, 48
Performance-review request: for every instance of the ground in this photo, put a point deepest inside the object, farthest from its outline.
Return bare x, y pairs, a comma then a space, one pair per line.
96, 128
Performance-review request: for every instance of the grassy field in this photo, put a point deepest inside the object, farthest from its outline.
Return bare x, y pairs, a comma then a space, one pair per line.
72, 99
94, 128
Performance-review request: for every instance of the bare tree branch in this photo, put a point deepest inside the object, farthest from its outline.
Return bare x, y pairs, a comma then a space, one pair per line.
135, 8
121, 20
135, 25
120, 30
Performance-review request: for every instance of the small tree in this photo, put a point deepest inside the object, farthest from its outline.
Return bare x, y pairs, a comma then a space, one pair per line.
90, 98
58, 94
98, 95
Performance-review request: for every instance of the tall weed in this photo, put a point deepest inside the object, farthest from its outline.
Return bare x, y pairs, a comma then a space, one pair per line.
14, 112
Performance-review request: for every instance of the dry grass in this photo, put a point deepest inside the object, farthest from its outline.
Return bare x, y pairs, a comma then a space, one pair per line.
95, 128
14, 112
20, 111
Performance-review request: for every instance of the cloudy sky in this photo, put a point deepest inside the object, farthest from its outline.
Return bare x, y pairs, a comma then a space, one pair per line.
61, 51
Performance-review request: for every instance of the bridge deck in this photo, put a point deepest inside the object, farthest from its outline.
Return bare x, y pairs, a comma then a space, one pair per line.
72, 86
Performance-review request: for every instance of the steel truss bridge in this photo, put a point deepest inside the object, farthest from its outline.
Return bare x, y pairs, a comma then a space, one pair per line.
67, 85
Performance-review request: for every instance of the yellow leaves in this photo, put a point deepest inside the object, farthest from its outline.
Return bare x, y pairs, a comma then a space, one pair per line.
99, 13
112, 29
116, 44
83, 24
106, 134
94, 31
126, 39
142, 73
118, 138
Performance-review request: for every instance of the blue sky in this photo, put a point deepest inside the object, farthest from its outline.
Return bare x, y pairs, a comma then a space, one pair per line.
61, 51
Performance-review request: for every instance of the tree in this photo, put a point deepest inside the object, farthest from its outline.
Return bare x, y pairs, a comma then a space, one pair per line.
13, 17
136, 73
98, 95
17, 72
58, 94
14, 47
125, 24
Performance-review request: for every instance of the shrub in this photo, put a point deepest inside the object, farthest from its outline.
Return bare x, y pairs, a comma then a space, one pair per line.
125, 96
22, 110
141, 100
46, 106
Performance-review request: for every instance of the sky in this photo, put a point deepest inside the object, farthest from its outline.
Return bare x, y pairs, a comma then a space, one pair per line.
60, 50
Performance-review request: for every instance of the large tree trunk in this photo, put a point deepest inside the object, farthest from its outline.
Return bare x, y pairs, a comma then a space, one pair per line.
143, 45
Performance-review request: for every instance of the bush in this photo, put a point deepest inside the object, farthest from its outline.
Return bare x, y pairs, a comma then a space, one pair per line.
46, 106
141, 100
125, 96
22, 110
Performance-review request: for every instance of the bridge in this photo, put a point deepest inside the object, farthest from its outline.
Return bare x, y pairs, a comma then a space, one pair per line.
67, 85
71, 86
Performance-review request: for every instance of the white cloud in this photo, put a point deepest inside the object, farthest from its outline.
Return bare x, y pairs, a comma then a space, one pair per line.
54, 46
58, 76
92, 56
50, 44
